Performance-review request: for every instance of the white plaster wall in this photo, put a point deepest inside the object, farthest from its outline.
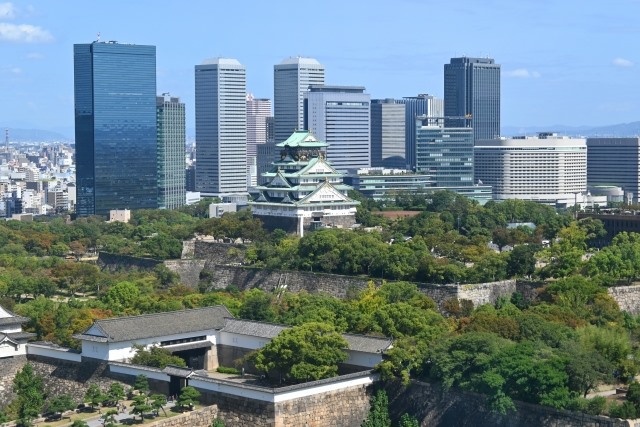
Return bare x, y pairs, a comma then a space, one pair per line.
243, 341
359, 358
134, 371
38, 350
8, 350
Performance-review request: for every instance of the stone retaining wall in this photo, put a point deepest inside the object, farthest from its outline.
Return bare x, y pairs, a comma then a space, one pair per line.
627, 297
188, 270
435, 407
344, 408
200, 418
8, 369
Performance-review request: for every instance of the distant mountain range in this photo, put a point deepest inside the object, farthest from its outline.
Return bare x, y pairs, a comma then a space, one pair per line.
33, 135
619, 130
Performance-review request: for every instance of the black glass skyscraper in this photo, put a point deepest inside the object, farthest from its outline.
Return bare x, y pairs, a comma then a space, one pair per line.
115, 117
472, 89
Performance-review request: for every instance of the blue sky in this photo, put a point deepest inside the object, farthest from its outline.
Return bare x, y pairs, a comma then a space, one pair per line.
571, 62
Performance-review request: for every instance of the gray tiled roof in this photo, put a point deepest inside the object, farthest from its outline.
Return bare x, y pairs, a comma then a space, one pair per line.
158, 325
253, 328
362, 343
367, 344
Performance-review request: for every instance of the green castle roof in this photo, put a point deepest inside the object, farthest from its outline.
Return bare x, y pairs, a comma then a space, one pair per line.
303, 139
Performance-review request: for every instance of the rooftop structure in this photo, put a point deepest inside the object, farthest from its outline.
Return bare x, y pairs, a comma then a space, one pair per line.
303, 191
549, 168
12, 339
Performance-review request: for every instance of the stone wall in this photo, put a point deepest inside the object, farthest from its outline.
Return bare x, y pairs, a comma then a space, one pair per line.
200, 418
188, 270
435, 407
344, 408
8, 369
218, 253
222, 276
237, 411
64, 377
627, 297
113, 262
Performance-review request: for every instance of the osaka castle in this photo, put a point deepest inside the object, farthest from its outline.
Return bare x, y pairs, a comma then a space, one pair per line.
303, 191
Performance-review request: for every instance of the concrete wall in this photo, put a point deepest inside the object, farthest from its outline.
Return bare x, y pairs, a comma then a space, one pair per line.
435, 407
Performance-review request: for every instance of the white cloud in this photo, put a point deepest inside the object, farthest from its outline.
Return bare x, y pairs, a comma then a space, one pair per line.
621, 62
34, 55
16, 70
522, 73
7, 11
23, 33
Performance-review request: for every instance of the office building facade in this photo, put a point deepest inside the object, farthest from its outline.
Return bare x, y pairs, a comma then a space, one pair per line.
416, 106
549, 169
341, 116
221, 127
388, 134
115, 127
472, 90
446, 154
615, 162
171, 152
258, 114
291, 81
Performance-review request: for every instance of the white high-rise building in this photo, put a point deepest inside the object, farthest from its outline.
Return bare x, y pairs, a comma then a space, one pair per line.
258, 112
291, 81
341, 116
549, 169
221, 127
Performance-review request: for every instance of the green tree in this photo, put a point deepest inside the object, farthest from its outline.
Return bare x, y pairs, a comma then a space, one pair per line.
141, 384
257, 305
94, 396
379, 412
79, 423
156, 357
140, 406
116, 392
158, 401
28, 387
188, 397
307, 352
408, 421
61, 403
109, 418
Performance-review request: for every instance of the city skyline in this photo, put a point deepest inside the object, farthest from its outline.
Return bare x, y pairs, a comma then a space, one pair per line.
559, 55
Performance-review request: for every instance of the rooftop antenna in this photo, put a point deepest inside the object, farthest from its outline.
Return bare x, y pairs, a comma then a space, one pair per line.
98, 36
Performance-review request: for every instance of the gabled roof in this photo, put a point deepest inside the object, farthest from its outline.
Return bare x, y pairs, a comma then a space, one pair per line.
363, 343
302, 138
156, 325
316, 164
326, 188
279, 181
9, 318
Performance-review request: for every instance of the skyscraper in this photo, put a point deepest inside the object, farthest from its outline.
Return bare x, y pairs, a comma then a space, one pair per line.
388, 134
415, 106
291, 80
446, 154
341, 116
115, 121
171, 152
221, 127
615, 162
258, 113
472, 89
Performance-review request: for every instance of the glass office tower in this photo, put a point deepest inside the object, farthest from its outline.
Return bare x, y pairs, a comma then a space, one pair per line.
171, 152
472, 90
115, 119
446, 154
